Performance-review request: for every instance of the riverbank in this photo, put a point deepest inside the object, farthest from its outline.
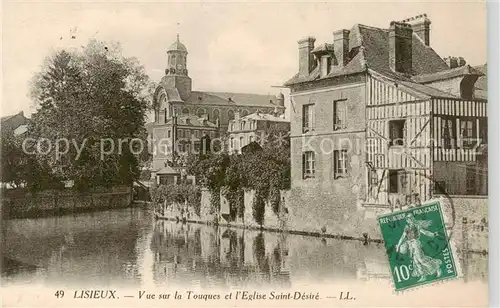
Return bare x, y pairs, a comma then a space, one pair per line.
20, 203
223, 223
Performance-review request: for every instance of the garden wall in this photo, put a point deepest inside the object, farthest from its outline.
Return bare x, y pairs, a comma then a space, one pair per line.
20, 203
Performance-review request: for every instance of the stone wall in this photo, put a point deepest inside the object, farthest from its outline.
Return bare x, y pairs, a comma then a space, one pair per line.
22, 203
322, 212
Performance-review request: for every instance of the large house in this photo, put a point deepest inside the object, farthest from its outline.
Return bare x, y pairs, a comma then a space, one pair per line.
242, 131
174, 97
380, 119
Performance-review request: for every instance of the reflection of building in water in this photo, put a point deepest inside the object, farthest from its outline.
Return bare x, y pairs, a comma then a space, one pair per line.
373, 269
206, 256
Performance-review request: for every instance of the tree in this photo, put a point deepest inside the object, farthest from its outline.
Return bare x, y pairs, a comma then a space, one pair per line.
95, 99
265, 170
13, 160
20, 169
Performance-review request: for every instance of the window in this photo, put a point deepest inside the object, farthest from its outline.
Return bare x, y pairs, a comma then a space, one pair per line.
339, 115
216, 114
308, 164
185, 111
440, 187
181, 133
230, 114
448, 132
326, 62
468, 133
201, 112
241, 142
470, 180
340, 163
197, 133
168, 133
242, 125
244, 112
251, 138
372, 178
398, 182
307, 118
231, 144
397, 132
483, 130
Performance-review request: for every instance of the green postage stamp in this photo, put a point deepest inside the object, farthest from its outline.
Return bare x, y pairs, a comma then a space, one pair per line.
418, 246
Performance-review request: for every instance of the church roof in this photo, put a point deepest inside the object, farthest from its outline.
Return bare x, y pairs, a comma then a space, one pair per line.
177, 46
232, 99
221, 98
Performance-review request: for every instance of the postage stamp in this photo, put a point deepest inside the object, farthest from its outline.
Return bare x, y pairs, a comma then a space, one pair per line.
418, 246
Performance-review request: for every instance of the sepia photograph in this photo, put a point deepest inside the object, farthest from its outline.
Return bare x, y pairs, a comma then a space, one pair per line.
257, 154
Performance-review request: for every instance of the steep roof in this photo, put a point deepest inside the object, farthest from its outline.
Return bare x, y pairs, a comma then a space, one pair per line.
375, 42
13, 121
450, 73
369, 49
481, 86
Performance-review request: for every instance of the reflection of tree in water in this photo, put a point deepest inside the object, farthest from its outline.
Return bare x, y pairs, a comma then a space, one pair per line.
259, 249
209, 256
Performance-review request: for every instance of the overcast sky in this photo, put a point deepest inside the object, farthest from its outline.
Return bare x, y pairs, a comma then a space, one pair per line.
234, 47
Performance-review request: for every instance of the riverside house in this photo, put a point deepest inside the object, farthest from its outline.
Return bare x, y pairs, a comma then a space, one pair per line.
380, 120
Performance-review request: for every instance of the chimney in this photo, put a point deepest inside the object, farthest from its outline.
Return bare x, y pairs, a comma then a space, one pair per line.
400, 47
280, 99
306, 59
461, 61
421, 26
341, 46
452, 62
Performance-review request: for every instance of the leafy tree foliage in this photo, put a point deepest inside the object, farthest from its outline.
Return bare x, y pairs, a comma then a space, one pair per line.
267, 171
93, 98
177, 193
20, 169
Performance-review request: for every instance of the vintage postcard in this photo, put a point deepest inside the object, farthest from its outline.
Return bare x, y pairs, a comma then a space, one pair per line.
253, 154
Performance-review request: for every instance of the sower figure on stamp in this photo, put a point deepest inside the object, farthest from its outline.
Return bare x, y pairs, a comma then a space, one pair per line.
409, 242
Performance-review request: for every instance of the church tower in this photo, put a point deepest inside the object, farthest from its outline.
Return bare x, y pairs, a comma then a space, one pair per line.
176, 73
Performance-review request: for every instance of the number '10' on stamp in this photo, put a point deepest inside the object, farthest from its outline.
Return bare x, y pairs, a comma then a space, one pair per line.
418, 246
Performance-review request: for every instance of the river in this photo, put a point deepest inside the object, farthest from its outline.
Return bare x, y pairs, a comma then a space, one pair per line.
128, 247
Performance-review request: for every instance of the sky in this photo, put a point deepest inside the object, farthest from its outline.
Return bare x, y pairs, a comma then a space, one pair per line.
233, 47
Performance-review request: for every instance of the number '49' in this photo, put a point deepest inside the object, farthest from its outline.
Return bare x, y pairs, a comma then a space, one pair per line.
59, 294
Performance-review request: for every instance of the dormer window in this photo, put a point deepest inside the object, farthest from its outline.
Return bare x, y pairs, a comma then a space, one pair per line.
326, 62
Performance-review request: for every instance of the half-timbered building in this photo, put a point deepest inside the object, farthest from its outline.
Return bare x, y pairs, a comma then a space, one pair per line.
380, 119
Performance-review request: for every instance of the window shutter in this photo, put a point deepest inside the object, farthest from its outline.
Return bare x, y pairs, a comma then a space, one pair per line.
303, 165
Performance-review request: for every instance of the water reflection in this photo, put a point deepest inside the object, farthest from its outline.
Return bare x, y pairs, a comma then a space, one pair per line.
128, 247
